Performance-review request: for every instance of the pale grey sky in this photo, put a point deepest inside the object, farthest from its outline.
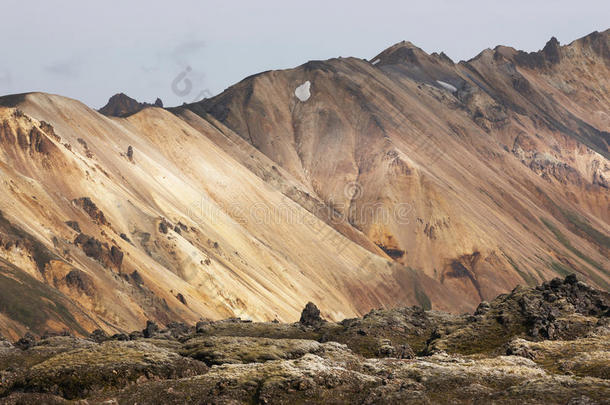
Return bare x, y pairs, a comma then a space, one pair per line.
91, 50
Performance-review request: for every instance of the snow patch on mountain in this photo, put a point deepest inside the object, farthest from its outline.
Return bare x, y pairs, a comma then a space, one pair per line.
302, 92
447, 86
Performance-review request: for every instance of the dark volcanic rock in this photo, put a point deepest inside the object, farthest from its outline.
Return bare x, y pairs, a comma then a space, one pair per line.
28, 340
98, 336
558, 309
108, 256
74, 225
551, 51
202, 326
120, 337
164, 226
547, 57
91, 246
92, 210
543, 312
482, 308
136, 278
116, 256
311, 315
179, 330
121, 105
151, 329
81, 281
181, 298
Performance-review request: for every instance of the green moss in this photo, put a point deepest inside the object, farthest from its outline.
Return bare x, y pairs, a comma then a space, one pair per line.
483, 191
592, 368
75, 373
560, 236
554, 356
574, 222
487, 339
235, 350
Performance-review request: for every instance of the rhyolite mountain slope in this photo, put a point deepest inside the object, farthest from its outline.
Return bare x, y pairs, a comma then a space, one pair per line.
501, 161
113, 221
407, 179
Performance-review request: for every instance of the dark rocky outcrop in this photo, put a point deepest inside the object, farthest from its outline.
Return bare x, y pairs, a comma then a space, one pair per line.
558, 309
311, 315
164, 226
28, 340
98, 336
151, 329
91, 209
181, 298
547, 57
121, 105
116, 256
136, 278
74, 225
92, 247
544, 312
81, 281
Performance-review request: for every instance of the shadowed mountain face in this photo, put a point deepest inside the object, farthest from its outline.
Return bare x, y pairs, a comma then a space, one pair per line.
404, 180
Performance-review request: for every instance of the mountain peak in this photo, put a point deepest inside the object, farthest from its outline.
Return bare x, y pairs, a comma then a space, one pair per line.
551, 50
401, 52
121, 105
405, 52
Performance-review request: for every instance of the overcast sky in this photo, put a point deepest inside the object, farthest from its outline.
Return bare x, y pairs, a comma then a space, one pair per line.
91, 50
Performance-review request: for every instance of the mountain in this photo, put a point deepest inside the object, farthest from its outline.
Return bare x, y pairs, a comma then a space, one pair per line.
500, 162
404, 180
148, 217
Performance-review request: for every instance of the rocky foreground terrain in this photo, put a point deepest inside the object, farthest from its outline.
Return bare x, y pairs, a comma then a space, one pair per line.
548, 344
